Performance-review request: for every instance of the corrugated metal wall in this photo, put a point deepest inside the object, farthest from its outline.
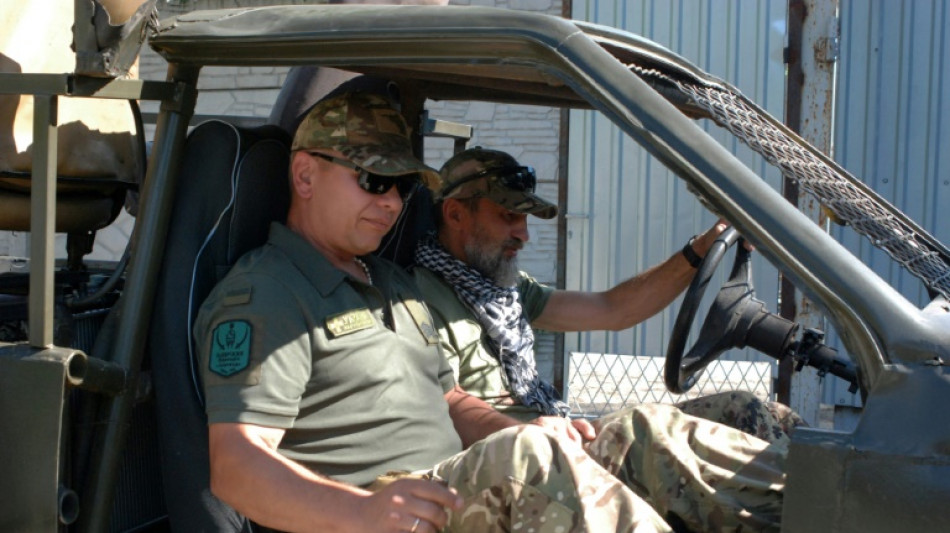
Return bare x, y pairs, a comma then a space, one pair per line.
892, 115
891, 122
890, 129
619, 211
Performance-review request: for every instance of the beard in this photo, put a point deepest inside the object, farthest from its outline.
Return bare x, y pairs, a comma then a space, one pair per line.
491, 262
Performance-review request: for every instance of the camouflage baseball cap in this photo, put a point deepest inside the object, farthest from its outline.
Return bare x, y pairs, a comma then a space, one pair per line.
492, 174
368, 131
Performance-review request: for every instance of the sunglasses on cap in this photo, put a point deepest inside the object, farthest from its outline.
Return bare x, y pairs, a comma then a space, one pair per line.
376, 183
521, 179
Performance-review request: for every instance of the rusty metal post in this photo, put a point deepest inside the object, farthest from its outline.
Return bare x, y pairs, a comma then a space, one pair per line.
812, 53
561, 367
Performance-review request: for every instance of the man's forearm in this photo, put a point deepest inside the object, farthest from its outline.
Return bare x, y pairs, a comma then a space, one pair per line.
274, 491
473, 418
621, 307
648, 293
629, 302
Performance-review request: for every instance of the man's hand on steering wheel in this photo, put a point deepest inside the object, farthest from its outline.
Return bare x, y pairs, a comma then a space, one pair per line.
703, 242
724, 326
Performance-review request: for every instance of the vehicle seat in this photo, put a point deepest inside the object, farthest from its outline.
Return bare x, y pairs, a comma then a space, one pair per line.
232, 184
82, 204
95, 173
100, 150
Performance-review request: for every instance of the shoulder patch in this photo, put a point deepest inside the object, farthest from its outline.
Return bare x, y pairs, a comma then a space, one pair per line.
237, 296
420, 315
230, 348
349, 322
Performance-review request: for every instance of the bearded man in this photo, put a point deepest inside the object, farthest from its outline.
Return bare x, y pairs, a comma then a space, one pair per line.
485, 309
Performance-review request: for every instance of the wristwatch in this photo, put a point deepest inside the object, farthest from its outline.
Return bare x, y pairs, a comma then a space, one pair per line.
691, 256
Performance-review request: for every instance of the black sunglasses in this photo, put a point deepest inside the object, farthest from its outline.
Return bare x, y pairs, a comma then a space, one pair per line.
376, 183
522, 179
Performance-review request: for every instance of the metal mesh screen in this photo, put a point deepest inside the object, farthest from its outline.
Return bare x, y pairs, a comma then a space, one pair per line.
838, 193
600, 383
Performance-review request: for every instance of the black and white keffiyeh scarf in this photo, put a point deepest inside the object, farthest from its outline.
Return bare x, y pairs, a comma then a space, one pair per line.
498, 310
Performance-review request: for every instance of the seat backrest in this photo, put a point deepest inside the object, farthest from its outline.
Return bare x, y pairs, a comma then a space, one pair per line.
233, 183
414, 223
100, 150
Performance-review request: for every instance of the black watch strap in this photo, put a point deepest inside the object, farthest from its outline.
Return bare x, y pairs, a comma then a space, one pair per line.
691, 256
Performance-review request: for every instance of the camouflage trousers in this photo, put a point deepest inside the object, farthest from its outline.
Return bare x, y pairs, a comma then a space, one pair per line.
651, 468
699, 475
525, 479
770, 421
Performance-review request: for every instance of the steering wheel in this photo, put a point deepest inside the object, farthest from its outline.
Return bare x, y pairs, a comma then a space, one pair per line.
736, 319
734, 314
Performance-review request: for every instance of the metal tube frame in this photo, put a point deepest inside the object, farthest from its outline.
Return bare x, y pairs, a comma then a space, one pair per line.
149, 237
868, 313
46, 90
84, 31
43, 220
178, 99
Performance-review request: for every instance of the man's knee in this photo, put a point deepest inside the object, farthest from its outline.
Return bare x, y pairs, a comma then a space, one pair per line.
521, 452
744, 397
735, 397
516, 457
536, 446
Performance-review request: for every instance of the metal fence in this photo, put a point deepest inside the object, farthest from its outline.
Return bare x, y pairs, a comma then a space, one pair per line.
601, 383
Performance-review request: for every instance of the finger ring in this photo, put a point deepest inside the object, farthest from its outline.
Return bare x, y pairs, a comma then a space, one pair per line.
414, 526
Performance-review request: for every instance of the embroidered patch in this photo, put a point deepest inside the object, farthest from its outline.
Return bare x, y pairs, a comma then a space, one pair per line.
238, 296
422, 319
230, 348
349, 322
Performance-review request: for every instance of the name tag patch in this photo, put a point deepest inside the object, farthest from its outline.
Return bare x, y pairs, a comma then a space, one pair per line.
230, 348
349, 322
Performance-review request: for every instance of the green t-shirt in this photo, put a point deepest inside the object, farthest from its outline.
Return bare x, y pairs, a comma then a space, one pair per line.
353, 372
477, 371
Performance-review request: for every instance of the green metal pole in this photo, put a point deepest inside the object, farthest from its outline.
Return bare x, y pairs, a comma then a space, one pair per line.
149, 246
42, 219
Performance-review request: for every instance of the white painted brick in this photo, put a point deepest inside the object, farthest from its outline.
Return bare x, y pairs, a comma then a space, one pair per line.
480, 112
257, 81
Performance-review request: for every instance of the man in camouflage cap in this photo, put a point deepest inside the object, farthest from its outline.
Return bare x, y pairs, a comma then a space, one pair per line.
484, 308
495, 175
322, 372
365, 129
